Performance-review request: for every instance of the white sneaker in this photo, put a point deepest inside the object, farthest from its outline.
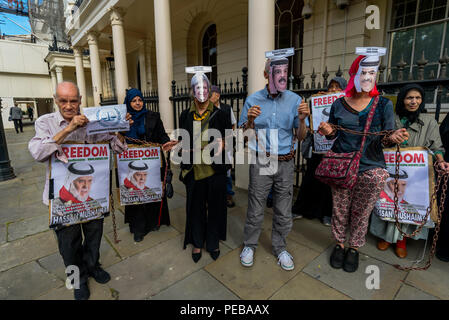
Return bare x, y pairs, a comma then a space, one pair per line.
247, 257
286, 261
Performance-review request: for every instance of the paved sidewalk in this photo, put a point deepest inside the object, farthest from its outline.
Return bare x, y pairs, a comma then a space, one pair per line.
158, 267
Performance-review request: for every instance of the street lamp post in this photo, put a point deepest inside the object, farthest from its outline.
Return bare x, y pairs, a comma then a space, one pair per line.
6, 171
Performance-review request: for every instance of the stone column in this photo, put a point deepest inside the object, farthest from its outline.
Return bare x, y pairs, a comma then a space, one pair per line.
148, 63
54, 82
260, 39
95, 66
59, 76
164, 60
121, 67
142, 64
80, 79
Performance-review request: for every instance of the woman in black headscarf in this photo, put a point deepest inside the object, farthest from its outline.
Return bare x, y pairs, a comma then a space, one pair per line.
423, 132
147, 126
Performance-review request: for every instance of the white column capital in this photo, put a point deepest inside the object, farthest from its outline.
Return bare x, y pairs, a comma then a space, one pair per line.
92, 38
116, 16
58, 69
78, 51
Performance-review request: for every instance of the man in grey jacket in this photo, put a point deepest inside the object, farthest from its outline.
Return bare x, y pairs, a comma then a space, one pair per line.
16, 116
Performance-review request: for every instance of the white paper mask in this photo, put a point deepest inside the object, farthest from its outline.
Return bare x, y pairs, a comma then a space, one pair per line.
200, 83
277, 69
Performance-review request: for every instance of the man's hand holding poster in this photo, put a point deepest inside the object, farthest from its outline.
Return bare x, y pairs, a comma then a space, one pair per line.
139, 173
321, 107
415, 187
81, 186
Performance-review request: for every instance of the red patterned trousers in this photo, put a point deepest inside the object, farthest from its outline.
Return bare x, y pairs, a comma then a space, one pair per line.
352, 208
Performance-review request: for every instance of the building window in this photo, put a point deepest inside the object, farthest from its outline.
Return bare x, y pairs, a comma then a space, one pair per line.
418, 26
289, 31
209, 50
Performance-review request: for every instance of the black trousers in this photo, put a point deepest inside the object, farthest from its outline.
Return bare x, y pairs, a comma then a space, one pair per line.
206, 211
18, 124
74, 251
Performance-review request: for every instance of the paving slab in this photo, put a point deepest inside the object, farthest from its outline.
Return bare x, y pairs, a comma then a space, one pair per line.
55, 265
415, 249
14, 214
434, 281
304, 287
2, 233
148, 273
128, 247
28, 249
119, 222
26, 282
97, 292
187, 289
354, 284
265, 277
410, 293
311, 233
177, 201
27, 227
178, 219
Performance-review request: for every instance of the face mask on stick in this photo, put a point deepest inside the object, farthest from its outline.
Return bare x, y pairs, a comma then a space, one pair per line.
277, 69
365, 78
200, 83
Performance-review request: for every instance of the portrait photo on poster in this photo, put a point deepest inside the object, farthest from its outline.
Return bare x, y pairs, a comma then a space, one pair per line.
81, 186
415, 186
139, 175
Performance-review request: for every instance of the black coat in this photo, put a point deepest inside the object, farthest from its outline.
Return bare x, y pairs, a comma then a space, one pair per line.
220, 121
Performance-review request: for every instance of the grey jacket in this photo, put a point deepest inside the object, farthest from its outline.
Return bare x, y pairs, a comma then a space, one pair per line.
15, 113
423, 133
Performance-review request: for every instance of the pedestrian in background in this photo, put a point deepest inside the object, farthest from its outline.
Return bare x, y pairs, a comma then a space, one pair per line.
16, 116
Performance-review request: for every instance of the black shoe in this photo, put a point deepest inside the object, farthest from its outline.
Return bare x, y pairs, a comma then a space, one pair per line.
269, 202
156, 228
82, 293
215, 254
337, 257
100, 275
196, 256
138, 237
351, 263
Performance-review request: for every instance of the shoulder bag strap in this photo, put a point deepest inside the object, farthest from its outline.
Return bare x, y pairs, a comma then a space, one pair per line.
368, 121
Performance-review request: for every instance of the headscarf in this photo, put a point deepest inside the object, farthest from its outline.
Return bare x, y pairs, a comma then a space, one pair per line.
137, 130
341, 82
270, 65
74, 171
354, 72
400, 106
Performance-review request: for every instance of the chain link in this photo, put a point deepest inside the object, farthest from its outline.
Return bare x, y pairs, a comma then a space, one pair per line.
114, 226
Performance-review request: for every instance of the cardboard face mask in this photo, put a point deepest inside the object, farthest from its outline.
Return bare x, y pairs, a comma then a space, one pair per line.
365, 79
200, 83
277, 69
277, 78
200, 87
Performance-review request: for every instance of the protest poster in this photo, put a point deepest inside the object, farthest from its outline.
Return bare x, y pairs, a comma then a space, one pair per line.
106, 119
416, 183
321, 106
139, 175
80, 187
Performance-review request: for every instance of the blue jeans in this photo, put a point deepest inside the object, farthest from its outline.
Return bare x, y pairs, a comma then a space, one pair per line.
229, 184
